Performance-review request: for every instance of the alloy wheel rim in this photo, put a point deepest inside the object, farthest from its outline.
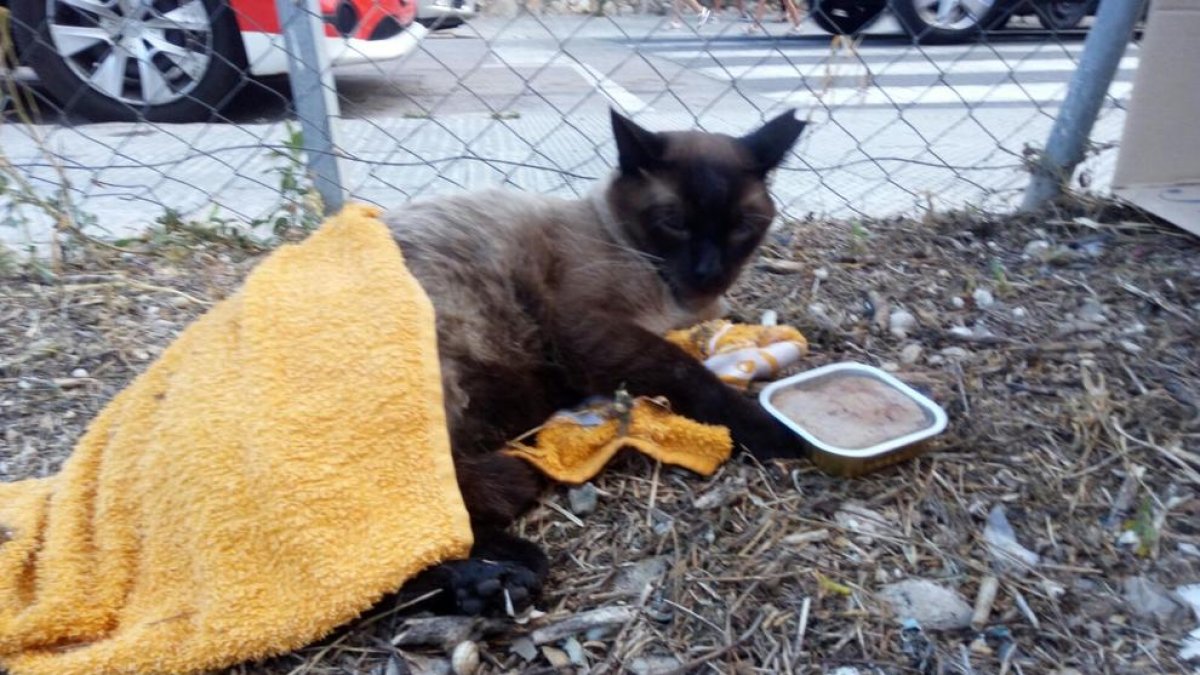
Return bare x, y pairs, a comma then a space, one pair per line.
953, 14
141, 52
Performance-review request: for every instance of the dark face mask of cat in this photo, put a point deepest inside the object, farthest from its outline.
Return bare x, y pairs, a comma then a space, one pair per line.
695, 203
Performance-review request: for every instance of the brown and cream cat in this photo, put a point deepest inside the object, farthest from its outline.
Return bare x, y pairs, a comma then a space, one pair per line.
542, 302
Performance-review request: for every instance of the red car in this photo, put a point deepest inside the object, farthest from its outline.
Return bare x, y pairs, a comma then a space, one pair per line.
181, 60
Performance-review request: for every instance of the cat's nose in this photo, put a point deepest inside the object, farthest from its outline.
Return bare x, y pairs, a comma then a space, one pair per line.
708, 265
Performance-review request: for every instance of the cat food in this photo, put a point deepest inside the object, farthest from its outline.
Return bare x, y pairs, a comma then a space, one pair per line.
857, 418
854, 411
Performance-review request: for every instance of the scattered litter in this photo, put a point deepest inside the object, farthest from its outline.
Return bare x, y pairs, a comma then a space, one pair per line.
1151, 600
723, 494
632, 580
524, 648
957, 302
1008, 555
582, 622
575, 651
961, 332
927, 603
653, 665
79, 372
1019, 313
858, 519
1190, 647
557, 657
465, 658
583, 499
419, 664
983, 298
1092, 311
984, 600
917, 646
1038, 249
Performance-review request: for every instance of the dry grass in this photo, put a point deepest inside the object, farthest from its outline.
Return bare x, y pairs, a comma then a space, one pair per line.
1082, 426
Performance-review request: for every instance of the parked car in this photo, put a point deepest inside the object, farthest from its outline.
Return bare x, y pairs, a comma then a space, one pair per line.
942, 21
439, 14
180, 60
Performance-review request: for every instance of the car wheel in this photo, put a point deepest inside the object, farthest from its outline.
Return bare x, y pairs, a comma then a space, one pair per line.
441, 22
161, 60
946, 21
845, 17
1062, 14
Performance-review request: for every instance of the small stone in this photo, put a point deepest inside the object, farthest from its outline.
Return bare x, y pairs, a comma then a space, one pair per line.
934, 607
961, 331
1092, 311
141, 355
1129, 347
910, 353
1151, 600
900, 322
465, 658
24, 384
1007, 553
890, 366
653, 665
79, 372
1038, 249
1019, 312
859, 519
957, 302
955, 353
583, 499
821, 273
983, 298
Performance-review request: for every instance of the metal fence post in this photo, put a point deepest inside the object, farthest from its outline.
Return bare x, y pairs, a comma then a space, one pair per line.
1106, 44
313, 94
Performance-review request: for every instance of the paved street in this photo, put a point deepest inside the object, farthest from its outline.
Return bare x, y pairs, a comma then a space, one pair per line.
525, 101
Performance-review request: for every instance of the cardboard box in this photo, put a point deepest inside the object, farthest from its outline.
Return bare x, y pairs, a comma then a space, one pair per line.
1158, 167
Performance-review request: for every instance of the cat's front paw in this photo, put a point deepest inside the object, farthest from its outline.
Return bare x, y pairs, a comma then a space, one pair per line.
767, 438
481, 587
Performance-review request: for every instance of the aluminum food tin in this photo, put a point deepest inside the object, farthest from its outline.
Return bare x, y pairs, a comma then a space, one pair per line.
857, 461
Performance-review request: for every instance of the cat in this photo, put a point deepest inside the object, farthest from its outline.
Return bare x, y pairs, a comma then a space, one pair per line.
543, 302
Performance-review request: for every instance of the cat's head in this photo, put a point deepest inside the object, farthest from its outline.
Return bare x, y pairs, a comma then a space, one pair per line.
696, 203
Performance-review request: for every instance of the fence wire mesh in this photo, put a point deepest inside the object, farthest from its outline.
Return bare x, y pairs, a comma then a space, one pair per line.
519, 95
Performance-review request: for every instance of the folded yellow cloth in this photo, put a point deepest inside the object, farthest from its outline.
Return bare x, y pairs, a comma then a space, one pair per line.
575, 445
282, 465
741, 353
572, 447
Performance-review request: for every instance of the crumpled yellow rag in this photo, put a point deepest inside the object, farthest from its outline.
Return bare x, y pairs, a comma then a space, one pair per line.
281, 466
573, 446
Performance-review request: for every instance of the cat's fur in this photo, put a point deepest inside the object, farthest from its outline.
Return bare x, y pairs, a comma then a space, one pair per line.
542, 302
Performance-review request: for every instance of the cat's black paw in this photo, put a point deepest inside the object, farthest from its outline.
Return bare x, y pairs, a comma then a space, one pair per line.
480, 587
767, 438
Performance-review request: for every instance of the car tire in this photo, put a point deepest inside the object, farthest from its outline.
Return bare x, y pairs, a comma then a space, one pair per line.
94, 60
845, 17
916, 18
1057, 15
441, 23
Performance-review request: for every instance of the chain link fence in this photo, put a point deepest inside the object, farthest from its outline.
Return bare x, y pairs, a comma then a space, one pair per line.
121, 113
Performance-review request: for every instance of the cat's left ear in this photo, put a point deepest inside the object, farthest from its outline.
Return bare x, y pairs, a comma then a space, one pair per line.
771, 142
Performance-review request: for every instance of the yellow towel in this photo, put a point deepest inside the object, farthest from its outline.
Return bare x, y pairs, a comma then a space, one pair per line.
280, 467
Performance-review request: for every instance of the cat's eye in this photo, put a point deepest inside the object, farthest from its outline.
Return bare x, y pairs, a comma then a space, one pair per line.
747, 227
668, 221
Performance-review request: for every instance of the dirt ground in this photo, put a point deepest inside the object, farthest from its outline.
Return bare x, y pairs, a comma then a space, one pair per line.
1064, 349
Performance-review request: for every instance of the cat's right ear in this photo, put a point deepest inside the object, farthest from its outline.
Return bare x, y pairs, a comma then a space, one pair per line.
637, 149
